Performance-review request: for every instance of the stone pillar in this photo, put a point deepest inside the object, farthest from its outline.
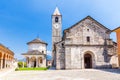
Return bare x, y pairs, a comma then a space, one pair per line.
43, 64
36, 61
1, 64
23, 64
29, 63
4, 63
10, 63
7, 62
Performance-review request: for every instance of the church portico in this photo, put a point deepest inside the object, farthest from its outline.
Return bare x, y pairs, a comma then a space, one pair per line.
35, 61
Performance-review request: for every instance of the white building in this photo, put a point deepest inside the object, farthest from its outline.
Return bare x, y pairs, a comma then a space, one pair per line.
36, 55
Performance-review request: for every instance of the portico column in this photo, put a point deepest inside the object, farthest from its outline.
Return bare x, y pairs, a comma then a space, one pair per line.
1, 64
23, 64
10, 63
29, 62
6, 66
36, 61
4, 63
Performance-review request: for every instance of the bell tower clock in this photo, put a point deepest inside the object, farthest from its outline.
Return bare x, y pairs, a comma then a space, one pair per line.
56, 31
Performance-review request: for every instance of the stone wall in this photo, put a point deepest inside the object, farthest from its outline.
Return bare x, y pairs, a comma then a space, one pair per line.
76, 45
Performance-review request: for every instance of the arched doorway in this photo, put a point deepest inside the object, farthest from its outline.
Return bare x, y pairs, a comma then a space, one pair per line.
33, 62
88, 60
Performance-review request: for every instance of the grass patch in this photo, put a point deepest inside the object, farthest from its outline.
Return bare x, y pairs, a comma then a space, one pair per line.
28, 69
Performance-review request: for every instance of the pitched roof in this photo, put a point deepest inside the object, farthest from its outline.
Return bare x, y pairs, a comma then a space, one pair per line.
56, 12
37, 40
6, 48
33, 52
88, 17
116, 29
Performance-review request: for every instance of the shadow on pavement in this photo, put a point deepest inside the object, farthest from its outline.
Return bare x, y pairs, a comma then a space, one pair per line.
117, 71
52, 68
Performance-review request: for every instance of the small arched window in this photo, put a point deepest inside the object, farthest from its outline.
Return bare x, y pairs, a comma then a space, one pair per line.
56, 19
88, 39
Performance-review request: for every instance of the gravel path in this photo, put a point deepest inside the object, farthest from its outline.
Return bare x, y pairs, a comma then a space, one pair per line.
86, 74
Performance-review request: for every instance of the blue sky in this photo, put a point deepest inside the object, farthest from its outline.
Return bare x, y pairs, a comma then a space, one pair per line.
22, 20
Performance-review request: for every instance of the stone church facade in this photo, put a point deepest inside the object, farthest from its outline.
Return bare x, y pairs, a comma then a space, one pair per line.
86, 44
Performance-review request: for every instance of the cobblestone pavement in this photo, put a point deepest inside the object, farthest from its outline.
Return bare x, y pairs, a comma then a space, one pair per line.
86, 74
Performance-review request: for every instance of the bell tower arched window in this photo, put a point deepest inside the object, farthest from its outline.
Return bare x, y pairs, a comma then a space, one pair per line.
56, 19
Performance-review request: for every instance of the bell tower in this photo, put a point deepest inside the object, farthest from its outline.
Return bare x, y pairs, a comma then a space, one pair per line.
56, 31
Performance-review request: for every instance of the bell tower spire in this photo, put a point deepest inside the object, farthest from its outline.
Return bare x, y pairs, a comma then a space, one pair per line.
56, 12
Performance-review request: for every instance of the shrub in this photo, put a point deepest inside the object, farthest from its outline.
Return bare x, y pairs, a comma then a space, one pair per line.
16, 69
34, 69
20, 64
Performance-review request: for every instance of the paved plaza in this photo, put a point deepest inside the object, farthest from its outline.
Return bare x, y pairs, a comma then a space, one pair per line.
86, 74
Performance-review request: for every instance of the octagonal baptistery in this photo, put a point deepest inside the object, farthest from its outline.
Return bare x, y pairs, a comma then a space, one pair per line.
36, 54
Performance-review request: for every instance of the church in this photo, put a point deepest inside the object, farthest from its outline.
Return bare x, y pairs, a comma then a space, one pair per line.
86, 44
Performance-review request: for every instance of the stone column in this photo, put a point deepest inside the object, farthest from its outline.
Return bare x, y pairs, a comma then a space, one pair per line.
36, 61
23, 64
4, 63
29, 63
1, 64
45, 62
10, 63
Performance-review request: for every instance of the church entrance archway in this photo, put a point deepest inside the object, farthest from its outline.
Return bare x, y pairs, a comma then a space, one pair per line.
88, 60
